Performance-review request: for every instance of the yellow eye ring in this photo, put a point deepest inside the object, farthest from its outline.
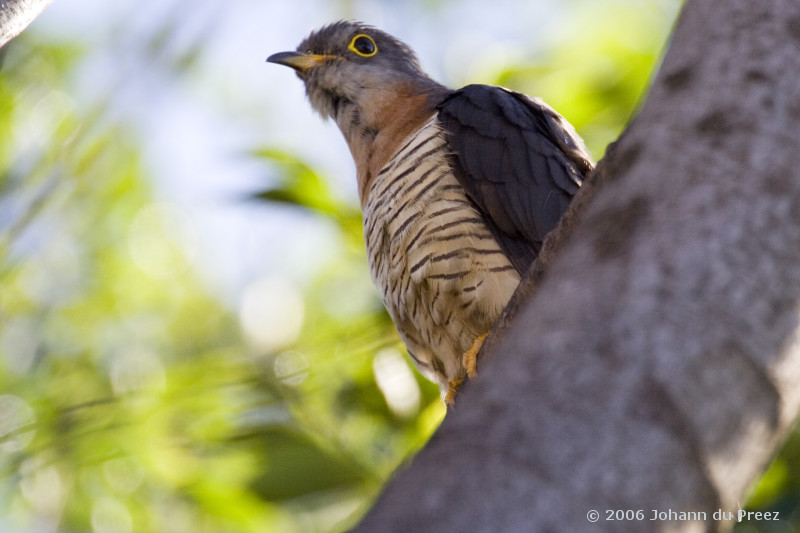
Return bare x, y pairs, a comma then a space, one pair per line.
363, 45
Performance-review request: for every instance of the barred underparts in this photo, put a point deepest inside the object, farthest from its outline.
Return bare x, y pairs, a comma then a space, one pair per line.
441, 273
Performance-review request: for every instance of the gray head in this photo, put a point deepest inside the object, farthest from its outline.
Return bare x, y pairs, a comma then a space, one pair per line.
353, 64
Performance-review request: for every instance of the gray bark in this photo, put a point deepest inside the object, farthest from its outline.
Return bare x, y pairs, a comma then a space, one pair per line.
656, 366
16, 15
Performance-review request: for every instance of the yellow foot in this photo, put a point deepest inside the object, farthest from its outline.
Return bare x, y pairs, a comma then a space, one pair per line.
470, 358
450, 397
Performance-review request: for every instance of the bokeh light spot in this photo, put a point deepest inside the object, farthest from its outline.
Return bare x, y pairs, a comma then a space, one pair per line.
43, 488
15, 417
123, 474
111, 516
18, 343
291, 367
396, 381
136, 369
271, 314
46, 116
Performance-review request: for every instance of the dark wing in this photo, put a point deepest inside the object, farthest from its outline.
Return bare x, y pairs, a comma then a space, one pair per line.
518, 160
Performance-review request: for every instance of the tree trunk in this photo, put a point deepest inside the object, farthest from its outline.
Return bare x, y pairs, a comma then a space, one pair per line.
656, 366
16, 15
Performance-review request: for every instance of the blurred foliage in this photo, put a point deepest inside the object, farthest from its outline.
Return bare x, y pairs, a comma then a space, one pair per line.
128, 399
131, 399
778, 490
299, 185
598, 73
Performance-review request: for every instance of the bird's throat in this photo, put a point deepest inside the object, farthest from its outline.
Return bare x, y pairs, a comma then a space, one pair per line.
375, 133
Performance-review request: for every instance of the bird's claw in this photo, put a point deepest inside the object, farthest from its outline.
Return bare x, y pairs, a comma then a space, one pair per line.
454, 384
470, 357
470, 362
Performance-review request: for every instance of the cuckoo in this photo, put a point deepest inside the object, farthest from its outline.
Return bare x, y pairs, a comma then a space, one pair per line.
458, 188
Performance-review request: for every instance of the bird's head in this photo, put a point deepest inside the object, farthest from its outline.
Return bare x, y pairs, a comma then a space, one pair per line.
349, 64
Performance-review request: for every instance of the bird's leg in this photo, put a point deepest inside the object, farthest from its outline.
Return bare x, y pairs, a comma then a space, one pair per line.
470, 357
470, 362
454, 384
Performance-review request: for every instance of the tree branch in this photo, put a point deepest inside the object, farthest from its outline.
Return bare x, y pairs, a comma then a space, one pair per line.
16, 15
657, 364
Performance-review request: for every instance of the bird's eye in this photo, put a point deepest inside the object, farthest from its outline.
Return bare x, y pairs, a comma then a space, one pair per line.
363, 45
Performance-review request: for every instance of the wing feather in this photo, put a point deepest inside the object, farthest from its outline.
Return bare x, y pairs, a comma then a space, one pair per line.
519, 161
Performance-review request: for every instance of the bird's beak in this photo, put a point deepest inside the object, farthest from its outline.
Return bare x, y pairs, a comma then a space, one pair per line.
298, 60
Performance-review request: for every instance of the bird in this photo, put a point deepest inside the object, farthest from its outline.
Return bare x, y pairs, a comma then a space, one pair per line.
458, 188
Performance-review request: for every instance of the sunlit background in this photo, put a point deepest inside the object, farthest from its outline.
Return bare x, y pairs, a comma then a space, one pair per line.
189, 337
